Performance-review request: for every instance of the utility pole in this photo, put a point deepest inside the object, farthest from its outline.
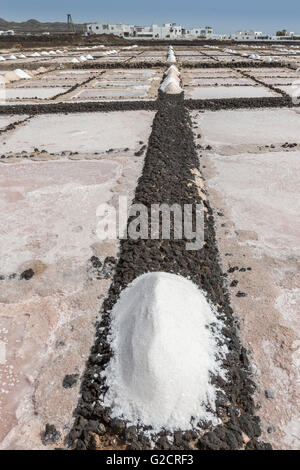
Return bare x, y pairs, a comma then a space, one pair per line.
71, 27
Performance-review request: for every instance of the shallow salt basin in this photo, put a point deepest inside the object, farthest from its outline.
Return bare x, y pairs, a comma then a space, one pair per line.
280, 80
134, 75
39, 93
44, 82
48, 223
265, 126
85, 132
228, 92
113, 93
221, 81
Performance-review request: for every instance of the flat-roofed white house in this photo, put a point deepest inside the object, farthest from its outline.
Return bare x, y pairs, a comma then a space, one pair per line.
166, 31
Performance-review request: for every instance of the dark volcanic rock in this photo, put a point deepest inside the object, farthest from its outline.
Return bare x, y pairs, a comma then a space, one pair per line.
50, 435
70, 380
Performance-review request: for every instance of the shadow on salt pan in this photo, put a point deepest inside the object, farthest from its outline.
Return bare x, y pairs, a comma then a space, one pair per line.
165, 349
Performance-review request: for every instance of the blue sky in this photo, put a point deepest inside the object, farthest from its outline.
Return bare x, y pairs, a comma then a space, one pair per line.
223, 15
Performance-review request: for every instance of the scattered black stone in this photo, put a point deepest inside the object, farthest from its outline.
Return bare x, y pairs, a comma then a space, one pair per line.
2, 277
242, 270
50, 435
271, 429
241, 294
26, 275
234, 283
70, 381
269, 394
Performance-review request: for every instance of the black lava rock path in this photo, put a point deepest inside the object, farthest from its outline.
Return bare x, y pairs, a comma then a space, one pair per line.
167, 178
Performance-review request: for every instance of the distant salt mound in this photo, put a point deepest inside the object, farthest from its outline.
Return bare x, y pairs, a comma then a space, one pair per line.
12, 57
21, 74
2, 58
171, 58
268, 59
174, 81
172, 68
165, 349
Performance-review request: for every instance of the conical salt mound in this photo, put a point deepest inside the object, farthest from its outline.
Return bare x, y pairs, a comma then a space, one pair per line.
172, 68
164, 352
173, 89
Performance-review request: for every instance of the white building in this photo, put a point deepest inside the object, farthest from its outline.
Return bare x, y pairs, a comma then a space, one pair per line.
10, 32
166, 31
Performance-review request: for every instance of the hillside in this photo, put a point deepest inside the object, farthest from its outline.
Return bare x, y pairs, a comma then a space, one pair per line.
35, 26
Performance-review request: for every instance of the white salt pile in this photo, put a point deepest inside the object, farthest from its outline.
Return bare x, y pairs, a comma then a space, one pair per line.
171, 82
171, 57
20, 73
12, 57
165, 349
75, 61
2, 58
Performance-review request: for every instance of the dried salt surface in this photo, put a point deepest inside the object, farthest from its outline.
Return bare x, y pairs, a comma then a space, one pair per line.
229, 92
165, 350
40, 93
85, 132
264, 126
137, 92
259, 198
221, 81
47, 323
